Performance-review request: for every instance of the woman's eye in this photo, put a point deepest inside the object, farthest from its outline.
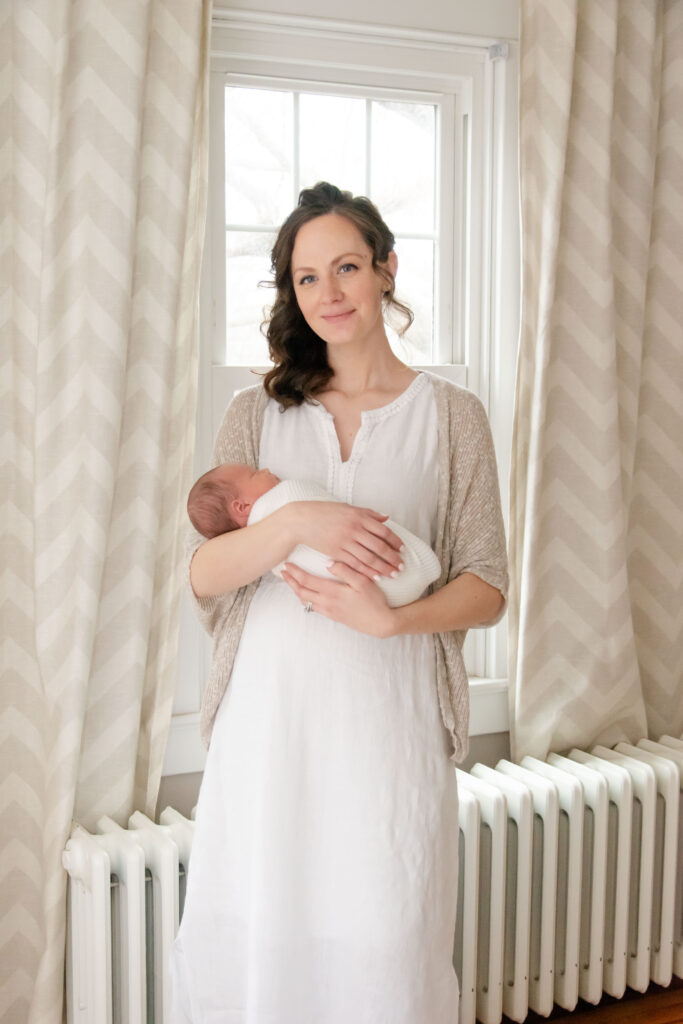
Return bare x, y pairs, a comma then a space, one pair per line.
306, 279
346, 267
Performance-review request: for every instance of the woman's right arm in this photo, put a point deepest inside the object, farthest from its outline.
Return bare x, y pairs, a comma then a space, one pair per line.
355, 536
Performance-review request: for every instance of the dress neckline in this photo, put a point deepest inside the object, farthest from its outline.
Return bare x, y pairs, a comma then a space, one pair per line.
373, 415
368, 419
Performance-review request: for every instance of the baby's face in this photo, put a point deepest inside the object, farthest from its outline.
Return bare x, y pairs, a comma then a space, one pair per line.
249, 483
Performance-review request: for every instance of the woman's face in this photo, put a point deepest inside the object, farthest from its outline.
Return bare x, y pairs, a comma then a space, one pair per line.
336, 286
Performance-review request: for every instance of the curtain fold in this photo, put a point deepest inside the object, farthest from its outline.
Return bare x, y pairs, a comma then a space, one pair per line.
104, 191
596, 540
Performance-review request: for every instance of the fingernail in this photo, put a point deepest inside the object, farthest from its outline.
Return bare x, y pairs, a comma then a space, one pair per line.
377, 578
402, 547
401, 566
394, 575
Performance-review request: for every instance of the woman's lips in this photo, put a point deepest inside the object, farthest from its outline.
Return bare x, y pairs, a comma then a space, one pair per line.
335, 318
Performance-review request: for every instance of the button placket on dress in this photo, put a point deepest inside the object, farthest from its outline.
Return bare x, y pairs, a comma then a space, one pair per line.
341, 475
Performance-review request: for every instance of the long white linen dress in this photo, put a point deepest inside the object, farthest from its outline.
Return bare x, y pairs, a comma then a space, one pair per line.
323, 881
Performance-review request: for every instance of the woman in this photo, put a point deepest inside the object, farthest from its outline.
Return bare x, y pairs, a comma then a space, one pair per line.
323, 881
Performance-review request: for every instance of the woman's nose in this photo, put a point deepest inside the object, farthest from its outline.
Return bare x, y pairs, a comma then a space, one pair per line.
330, 288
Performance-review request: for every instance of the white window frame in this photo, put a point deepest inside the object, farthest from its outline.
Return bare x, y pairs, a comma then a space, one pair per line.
476, 80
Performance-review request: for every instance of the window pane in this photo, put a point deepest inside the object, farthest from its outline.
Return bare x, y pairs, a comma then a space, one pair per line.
403, 164
415, 287
259, 183
332, 141
247, 263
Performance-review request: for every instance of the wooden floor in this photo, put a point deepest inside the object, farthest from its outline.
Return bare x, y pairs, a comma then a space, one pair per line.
656, 1006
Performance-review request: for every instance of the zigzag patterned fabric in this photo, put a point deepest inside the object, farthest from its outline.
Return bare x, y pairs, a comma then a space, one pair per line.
596, 604
103, 201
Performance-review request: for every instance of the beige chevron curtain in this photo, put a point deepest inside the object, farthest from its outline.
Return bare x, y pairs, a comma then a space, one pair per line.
596, 610
103, 200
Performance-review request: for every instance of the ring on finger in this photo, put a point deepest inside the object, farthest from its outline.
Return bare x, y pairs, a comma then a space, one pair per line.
308, 607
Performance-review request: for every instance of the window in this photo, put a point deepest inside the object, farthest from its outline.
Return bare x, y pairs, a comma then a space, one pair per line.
278, 140
419, 114
425, 124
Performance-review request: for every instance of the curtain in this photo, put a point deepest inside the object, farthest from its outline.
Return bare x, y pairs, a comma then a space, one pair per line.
103, 198
596, 538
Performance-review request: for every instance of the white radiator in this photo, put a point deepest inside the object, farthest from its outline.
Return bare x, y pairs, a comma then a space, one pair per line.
571, 879
570, 884
126, 892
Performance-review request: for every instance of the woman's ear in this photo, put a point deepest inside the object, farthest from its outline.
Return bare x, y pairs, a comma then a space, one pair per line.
390, 266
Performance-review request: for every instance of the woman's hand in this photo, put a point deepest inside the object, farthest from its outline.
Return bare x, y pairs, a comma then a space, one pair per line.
355, 536
355, 601
359, 603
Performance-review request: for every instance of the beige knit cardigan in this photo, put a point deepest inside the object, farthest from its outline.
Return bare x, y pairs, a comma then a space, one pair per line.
470, 537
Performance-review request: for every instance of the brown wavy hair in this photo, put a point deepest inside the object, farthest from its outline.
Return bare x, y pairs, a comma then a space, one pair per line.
299, 355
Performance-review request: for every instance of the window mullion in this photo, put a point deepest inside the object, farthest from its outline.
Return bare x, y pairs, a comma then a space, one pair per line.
216, 239
448, 292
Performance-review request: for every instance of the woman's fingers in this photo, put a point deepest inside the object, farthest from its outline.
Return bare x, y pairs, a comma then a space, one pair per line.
345, 532
310, 587
307, 597
359, 566
371, 564
380, 530
376, 547
305, 585
345, 574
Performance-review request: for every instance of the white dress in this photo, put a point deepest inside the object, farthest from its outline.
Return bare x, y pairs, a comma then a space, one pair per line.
323, 881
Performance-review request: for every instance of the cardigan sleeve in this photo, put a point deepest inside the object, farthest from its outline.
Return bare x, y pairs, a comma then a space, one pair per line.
236, 441
477, 529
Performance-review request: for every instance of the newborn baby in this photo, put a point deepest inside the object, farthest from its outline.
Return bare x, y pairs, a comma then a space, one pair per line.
233, 495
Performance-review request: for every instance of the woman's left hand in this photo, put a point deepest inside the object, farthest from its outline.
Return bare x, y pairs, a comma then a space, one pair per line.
355, 601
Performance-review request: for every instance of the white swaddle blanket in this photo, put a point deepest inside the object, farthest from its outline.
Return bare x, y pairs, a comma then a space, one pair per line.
421, 566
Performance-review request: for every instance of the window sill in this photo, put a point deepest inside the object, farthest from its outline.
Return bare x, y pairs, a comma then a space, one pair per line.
488, 706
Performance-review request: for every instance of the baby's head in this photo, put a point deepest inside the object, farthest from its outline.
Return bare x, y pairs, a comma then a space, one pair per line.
222, 499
